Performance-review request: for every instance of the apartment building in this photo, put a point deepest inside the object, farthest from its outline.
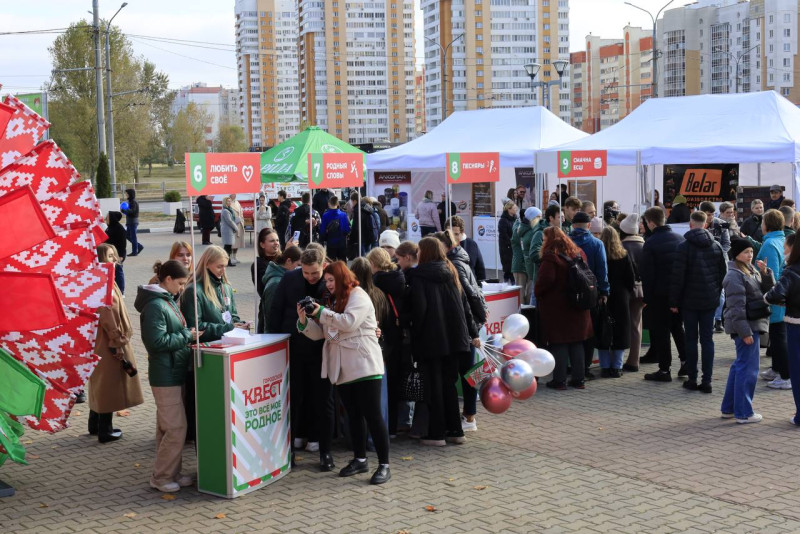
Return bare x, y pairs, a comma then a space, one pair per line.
266, 57
419, 102
219, 103
486, 46
610, 78
728, 46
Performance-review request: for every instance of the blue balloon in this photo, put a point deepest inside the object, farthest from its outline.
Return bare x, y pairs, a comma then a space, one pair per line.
123, 206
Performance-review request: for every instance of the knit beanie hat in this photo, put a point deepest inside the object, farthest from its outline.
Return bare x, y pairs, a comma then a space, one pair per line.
738, 245
630, 224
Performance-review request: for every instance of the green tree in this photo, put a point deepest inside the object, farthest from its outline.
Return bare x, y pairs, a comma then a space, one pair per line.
103, 181
137, 116
188, 131
230, 138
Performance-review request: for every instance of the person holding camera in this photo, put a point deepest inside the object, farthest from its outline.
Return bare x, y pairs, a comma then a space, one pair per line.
312, 395
610, 212
167, 339
114, 384
352, 359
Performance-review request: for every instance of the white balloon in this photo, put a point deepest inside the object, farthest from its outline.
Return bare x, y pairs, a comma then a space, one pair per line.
515, 327
496, 340
540, 360
517, 375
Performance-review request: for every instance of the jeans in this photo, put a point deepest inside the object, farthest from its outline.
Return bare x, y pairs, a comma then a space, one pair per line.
611, 359
337, 252
699, 322
362, 400
572, 352
738, 398
718, 311
133, 238
793, 341
778, 350
465, 362
425, 230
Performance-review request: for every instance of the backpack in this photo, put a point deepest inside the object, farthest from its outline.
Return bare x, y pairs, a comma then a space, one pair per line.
376, 226
581, 284
332, 230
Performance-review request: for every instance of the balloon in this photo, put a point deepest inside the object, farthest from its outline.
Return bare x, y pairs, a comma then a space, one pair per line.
515, 327
527, 393
495, 340
123, 205
541, 361
517, 375
513, 348
495, 396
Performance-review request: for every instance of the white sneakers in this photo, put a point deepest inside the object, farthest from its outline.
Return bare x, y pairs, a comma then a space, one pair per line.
468, 426
169, 487
185, 481
299, 443
768, 374
312, 446
755, 418
780, 383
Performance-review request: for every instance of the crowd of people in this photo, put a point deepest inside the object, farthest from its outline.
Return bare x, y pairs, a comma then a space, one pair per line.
359, 331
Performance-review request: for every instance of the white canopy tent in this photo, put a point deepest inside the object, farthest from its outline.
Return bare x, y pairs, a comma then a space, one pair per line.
516, 133
706, 129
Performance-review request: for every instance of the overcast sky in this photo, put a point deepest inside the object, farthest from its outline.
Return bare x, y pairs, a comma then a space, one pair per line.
25, 61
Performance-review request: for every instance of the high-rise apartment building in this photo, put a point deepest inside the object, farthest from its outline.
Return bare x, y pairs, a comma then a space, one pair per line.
356, 68
610, 78
725, 46
219, 103
266, 55
419, 102
487, 46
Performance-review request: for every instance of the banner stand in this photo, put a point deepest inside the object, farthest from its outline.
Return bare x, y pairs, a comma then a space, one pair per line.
255, 257
198, 355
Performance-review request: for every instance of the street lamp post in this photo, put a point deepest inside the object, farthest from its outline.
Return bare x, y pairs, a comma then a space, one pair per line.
109, 111
532, 69
655, 51
736, 60
98, 79
444, 71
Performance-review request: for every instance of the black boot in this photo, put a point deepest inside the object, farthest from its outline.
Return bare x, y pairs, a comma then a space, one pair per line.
93, 422
106, 432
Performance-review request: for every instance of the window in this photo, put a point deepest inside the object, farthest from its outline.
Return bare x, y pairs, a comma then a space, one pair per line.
786, 77
787, 47
787, 62
787, 32
787, 18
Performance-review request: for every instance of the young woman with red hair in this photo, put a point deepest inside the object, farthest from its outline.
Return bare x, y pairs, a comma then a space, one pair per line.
564, 327
352, 359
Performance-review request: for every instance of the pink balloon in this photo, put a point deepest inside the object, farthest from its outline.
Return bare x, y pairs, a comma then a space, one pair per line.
512, 348
527, 393
495, 396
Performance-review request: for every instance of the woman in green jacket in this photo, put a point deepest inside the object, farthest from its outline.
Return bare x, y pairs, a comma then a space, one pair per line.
287, 261
216, 308
167, 338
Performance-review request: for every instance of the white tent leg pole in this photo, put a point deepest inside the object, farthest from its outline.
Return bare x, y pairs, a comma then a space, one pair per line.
652, 172
197, 354
758, 172
449, 197
640, 186
496, 237
255, 257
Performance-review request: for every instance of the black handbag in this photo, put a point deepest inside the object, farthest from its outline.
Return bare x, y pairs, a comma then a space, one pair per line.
411, 389
604, 328
757, 309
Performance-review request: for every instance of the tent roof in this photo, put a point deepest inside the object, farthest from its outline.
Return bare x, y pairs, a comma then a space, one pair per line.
288, 161
730, 128
516, 133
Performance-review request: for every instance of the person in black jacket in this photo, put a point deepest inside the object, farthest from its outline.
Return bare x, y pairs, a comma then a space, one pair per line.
680, 212
391, 280
658, 256
695, 287
205, 212
505, 229
321, 199
477, 315
775, 197
436, 309
456, 224
312, 396
116, 233
132, 221
282, 214
621, 276
751, 226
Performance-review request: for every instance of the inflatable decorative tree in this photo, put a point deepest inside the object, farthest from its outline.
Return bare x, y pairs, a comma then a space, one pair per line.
52, 282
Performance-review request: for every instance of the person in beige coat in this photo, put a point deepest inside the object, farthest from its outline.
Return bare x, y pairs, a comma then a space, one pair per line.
114, 385
239, 241
353, 361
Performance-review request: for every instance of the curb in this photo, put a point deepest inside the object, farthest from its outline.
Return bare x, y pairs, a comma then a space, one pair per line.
159, 230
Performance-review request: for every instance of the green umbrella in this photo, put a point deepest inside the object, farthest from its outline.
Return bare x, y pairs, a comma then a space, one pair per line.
288, 161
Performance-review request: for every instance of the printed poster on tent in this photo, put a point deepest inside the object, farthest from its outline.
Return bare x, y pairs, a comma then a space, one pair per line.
700, 183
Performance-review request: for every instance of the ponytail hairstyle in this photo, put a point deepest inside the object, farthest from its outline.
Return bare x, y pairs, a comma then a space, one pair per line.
344, 280
362, 269
170, 268
430, 250
447, 238
290, 254
381, 260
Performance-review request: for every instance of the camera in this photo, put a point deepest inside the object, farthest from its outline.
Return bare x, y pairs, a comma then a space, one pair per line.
610, 213
129, 369
308, 304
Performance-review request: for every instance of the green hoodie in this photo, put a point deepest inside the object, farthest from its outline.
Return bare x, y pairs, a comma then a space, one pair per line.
210, 317
271, 279
165, 336
536, 247
519, 241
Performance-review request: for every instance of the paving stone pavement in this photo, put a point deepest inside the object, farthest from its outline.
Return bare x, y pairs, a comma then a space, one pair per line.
624, 455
